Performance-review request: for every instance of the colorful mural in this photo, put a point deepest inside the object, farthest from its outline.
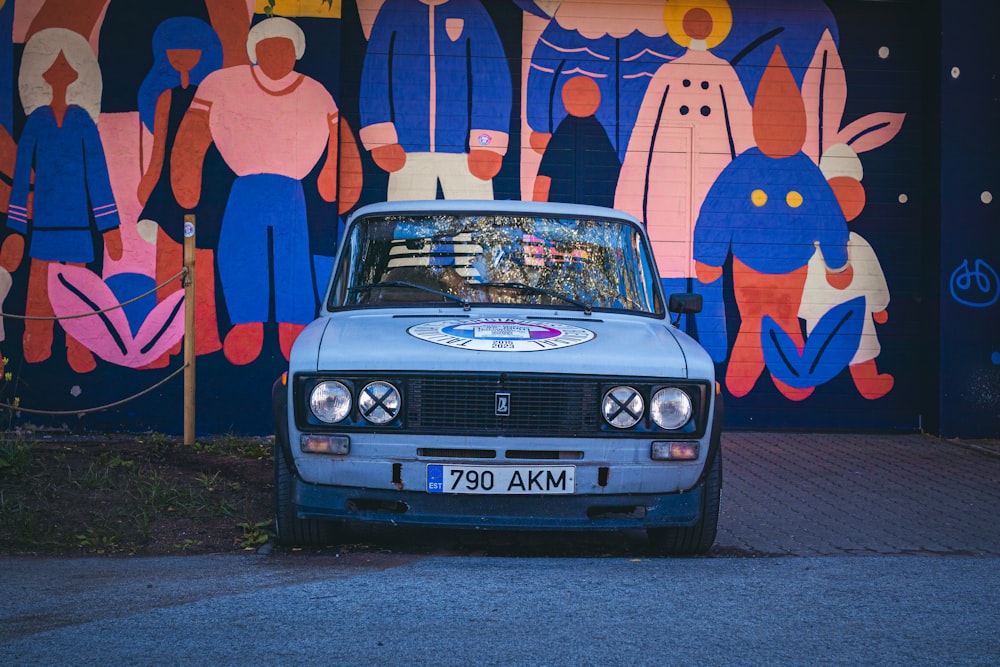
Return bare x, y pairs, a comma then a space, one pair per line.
435, 99
771, 149
968, 256
271, 125
61, 198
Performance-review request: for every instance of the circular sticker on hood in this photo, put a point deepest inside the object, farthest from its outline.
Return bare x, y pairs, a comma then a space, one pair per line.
501, 335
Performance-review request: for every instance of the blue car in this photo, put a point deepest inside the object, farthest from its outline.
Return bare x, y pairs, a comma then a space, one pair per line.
498, 365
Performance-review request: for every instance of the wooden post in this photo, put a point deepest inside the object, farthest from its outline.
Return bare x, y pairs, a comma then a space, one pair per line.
189, 308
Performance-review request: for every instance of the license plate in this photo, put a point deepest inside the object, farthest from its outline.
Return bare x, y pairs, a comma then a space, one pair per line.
501, 480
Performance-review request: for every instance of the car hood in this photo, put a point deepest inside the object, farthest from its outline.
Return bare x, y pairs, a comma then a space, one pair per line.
498, 340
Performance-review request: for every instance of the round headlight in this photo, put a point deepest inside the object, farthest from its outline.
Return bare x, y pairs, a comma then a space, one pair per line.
330, 401
622, 407
379, 402
671, 408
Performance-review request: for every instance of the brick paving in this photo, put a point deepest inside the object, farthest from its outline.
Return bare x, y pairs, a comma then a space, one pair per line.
825, 494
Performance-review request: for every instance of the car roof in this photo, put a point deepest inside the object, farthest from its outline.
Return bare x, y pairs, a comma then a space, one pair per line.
485, 206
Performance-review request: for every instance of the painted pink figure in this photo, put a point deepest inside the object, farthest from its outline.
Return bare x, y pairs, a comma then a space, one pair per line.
272, 125
695, 118
297, 111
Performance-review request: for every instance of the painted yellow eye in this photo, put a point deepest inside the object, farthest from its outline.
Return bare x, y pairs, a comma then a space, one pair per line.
758, 197
793, 199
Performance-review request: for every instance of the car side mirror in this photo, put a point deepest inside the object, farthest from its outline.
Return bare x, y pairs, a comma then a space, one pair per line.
683, 303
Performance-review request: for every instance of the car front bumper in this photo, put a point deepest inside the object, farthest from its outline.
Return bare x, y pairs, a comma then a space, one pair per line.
564, 512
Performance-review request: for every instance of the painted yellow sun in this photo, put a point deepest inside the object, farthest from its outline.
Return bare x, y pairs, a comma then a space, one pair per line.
708, 20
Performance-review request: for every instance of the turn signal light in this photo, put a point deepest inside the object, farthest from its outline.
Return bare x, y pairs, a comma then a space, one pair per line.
675, 451
325, 444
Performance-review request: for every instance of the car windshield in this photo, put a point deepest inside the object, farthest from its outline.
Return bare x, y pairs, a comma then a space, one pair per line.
509, 259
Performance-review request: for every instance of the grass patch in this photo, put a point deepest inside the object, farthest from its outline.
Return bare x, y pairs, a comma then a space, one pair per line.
142, 494
235, 446
15, 454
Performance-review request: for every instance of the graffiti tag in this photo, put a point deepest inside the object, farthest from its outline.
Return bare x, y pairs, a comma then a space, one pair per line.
978, 286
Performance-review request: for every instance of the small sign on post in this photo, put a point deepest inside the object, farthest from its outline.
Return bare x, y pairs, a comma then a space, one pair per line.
189, 308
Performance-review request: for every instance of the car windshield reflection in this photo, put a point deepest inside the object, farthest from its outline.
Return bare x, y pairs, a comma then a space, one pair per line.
465, 260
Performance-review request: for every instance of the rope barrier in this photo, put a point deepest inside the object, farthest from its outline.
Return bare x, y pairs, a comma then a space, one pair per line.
174, 277
17, 408
188, 273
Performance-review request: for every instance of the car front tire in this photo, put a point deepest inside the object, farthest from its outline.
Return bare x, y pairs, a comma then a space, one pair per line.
288, 527
699, 538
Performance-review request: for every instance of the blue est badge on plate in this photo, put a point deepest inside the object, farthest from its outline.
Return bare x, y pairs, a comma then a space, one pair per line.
435, 479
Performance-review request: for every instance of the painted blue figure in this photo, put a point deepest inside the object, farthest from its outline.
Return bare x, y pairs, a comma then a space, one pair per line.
771, 208
436, 98
756, 209
186, 50
579, 165
69, 201
771, 217
71, 180
127, 28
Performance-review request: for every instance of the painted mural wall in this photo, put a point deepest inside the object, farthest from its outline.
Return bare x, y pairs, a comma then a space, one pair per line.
970, 259
776, 152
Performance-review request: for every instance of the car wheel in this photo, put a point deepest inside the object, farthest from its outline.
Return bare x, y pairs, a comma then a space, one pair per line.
699, 538
289, 528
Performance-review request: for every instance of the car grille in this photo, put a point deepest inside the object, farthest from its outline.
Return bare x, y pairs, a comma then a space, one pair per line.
468, 405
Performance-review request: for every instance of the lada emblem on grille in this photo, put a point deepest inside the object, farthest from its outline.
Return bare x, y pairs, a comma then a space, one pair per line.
502, 404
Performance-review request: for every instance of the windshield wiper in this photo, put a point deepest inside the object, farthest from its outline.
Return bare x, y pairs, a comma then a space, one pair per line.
587, 308
466, 304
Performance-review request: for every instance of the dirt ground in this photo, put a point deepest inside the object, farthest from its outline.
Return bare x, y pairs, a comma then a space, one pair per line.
149, 495
132, 495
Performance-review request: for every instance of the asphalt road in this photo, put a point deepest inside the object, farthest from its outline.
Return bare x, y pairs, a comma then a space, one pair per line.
443, 610
833, 550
